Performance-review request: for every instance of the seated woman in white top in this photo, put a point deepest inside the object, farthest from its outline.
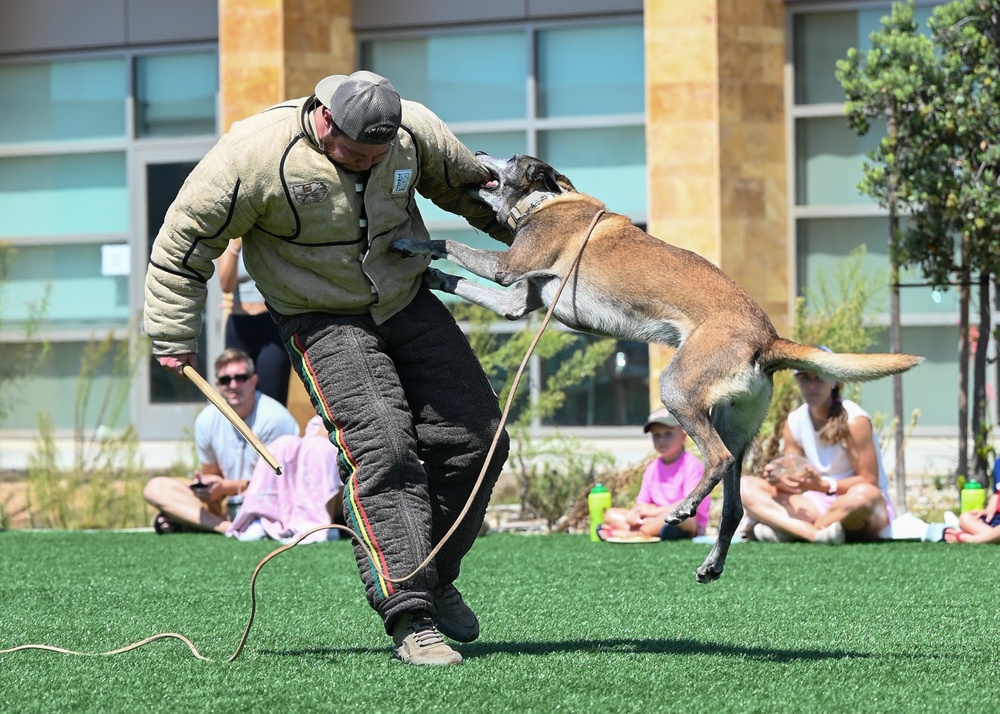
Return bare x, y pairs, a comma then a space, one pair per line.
840, 490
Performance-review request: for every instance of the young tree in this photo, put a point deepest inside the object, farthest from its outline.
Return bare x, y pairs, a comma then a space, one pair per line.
885, 83
551, 471
938, 161
961, 198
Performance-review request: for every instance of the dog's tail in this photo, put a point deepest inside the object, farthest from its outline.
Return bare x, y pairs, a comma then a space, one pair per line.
837, 367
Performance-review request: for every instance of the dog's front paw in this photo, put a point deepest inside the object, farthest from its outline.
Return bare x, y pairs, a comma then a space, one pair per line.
411, 247
505, 279
680, 514
438, 280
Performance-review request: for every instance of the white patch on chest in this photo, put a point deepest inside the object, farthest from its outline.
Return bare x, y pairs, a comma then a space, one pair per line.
401, 180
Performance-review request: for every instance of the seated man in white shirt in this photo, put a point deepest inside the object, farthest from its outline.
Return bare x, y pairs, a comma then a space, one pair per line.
227, 460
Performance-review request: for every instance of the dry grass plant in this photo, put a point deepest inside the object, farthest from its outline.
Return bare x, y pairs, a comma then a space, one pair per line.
102, 487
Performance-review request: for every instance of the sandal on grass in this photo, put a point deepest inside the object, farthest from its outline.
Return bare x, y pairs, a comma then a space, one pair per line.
955, 535
164, 526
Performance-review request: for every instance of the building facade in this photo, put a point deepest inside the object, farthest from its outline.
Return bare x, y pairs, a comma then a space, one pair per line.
716, 124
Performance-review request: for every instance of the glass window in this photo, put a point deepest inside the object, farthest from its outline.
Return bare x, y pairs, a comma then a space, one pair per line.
938, 406
828, 161
496, 143
63, 194
176, 94
62, 101
616, 395
459, 77
575, 79
823, 243
52, 388
822, 38
607, 163
81, 295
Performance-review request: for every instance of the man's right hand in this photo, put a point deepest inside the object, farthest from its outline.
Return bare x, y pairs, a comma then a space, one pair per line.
175, 363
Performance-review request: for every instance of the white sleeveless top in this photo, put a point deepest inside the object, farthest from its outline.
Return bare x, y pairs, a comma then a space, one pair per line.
832, 460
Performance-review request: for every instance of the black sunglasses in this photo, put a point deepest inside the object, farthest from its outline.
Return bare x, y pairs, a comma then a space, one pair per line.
225, 379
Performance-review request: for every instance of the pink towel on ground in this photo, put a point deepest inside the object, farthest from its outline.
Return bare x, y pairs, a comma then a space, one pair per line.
295, 501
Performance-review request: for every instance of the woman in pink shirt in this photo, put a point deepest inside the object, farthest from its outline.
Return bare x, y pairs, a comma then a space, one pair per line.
665, 483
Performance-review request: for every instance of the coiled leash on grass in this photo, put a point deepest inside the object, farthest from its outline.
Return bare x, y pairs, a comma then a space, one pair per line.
346, 529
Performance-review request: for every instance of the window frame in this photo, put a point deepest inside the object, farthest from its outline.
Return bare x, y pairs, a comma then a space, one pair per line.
532, 125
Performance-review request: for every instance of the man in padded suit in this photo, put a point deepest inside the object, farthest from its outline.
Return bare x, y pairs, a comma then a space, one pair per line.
318, 188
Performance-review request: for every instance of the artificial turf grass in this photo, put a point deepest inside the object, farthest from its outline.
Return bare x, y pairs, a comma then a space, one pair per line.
566, 623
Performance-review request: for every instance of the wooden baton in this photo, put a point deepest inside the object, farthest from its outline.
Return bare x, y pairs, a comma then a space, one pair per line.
227, 411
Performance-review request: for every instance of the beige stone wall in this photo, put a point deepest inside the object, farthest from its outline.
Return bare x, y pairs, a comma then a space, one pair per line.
753, 183
318, 42
272, 50
251, 71
715, 142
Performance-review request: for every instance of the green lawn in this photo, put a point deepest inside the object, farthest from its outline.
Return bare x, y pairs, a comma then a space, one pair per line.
566, 624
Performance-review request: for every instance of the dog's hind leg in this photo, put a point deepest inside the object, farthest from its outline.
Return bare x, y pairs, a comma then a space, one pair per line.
737, 424
513, 304
692, 405
732, 513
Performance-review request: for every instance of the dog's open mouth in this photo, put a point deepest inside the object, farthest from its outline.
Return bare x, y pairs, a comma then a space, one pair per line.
494, 181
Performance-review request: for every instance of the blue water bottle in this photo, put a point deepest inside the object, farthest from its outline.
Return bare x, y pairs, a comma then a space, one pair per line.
996, 475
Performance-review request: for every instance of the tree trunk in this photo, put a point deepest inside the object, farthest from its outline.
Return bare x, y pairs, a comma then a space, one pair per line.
895, 338
896, 346
963, 362
979, 406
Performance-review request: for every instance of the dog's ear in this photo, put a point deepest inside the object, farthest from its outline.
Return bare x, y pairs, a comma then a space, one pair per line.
551, 180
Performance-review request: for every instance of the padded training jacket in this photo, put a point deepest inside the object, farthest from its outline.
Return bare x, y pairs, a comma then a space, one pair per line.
302, 219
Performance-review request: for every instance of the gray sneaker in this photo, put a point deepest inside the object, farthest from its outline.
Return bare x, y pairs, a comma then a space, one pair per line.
416, 641
452, 616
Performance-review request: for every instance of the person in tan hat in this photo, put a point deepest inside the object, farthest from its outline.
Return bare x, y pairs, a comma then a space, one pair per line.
666, 482
318, 188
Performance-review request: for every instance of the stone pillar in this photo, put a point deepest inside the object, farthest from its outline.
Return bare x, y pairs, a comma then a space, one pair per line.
272, 50
753, 183
715, 143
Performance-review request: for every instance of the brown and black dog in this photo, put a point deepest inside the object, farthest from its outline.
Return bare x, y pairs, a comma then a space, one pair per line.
632, 286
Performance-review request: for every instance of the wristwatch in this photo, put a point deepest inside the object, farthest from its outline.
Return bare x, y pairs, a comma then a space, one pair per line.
831, 485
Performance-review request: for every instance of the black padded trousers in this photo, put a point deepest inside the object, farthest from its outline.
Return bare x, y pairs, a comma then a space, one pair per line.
413, 414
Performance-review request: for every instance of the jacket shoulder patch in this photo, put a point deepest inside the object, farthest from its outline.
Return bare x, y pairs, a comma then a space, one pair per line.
311, 192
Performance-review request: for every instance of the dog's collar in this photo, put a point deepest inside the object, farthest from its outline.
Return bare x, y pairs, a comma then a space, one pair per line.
525, 206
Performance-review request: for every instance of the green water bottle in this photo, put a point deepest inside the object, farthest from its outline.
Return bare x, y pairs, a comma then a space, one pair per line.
598, 500
973, 496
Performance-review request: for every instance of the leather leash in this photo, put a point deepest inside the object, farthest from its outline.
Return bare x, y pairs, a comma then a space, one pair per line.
346, 529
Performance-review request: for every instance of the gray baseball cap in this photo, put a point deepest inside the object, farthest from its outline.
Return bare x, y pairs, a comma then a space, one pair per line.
660, 416
364, 105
